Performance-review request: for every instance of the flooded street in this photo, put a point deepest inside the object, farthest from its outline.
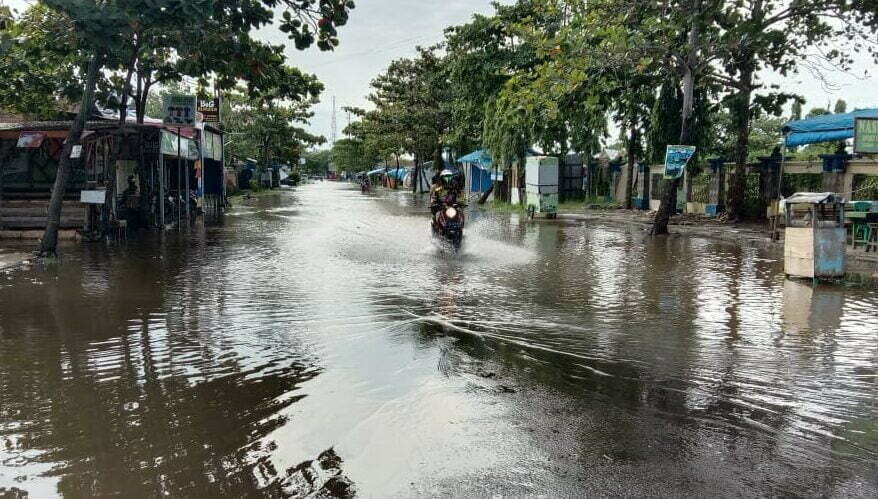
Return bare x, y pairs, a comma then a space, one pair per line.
319, 342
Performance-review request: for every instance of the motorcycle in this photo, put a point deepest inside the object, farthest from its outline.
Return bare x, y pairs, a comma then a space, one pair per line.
448, 223
364, 187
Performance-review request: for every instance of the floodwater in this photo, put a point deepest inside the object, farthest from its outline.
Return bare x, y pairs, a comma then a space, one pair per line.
318, 344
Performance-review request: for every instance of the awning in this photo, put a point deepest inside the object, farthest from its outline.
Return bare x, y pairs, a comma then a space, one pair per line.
376, 171
480, 158
824, 128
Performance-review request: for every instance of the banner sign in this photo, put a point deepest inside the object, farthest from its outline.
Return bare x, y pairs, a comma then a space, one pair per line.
209, 110
30, 140
866, 135
93, 197
179, 110
676, 158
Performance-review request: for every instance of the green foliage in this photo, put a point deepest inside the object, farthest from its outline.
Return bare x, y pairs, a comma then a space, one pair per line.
42, 63
817, 111
763, 138
411, 109
160, 41
349, 155
841, 107
665, 121
264, 126
317, 162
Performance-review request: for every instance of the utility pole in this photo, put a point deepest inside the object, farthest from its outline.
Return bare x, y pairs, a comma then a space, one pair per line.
333, 135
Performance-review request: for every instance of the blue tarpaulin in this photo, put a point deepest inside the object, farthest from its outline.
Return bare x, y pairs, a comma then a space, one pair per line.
398, 174
391, 172
480, 158
824, 128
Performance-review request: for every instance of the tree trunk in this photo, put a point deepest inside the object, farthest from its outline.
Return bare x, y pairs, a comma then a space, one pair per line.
396, 174
49, 242
120, 136
669, 196
416, 178
629, 169
742, 124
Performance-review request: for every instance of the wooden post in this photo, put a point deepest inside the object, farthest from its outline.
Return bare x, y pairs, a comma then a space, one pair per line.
179, 180
161, 184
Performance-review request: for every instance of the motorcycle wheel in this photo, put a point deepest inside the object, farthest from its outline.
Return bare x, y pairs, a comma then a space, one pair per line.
456, 243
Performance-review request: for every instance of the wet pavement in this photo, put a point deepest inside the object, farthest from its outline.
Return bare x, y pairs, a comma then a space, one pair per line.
318, 344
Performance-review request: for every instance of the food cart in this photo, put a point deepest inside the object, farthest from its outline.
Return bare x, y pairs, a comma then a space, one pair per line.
814, 242
541, 179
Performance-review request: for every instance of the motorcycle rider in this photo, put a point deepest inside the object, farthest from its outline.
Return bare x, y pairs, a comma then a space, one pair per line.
445, 189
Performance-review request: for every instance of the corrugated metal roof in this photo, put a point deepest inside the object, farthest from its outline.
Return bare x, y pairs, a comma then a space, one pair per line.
813, 198
54, 125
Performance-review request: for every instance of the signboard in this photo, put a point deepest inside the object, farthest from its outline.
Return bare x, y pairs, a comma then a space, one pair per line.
30, 140
676, 158
866, 135
178, 110
209, 110
76, 151
93, 197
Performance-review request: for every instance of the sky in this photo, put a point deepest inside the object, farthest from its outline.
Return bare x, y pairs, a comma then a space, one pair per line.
380, 31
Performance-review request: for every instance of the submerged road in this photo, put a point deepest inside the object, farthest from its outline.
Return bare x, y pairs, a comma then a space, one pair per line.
317, 342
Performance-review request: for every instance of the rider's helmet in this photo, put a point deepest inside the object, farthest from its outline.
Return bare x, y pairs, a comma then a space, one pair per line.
447, 178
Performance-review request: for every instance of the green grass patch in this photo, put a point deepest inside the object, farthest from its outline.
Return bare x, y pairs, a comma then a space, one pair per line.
506, 207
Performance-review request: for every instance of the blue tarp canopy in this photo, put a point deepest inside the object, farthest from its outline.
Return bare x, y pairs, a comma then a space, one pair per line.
398, 174
824, 128
376, 171
479, 158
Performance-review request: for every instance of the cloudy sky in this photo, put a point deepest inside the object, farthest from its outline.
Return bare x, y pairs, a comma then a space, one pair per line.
378, 32
382, 30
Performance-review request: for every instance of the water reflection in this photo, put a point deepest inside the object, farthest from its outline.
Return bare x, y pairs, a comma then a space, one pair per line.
322, 329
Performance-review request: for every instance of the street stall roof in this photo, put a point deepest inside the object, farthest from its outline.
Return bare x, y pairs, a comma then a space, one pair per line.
813, 198
376, 171
480, 158
824, 128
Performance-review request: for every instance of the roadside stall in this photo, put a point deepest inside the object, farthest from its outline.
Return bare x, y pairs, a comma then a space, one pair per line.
814, 244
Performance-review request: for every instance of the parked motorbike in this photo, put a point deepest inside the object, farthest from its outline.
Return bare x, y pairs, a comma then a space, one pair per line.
448, 224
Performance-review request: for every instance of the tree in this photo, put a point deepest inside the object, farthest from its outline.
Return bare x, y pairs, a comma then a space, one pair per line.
411, 110
840, 107
817, 111
757, 34
349, 154
317, 162
262, 123
207, 36
691, 64
43, 65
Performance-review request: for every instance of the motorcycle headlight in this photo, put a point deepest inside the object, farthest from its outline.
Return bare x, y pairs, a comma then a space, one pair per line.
450, 212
